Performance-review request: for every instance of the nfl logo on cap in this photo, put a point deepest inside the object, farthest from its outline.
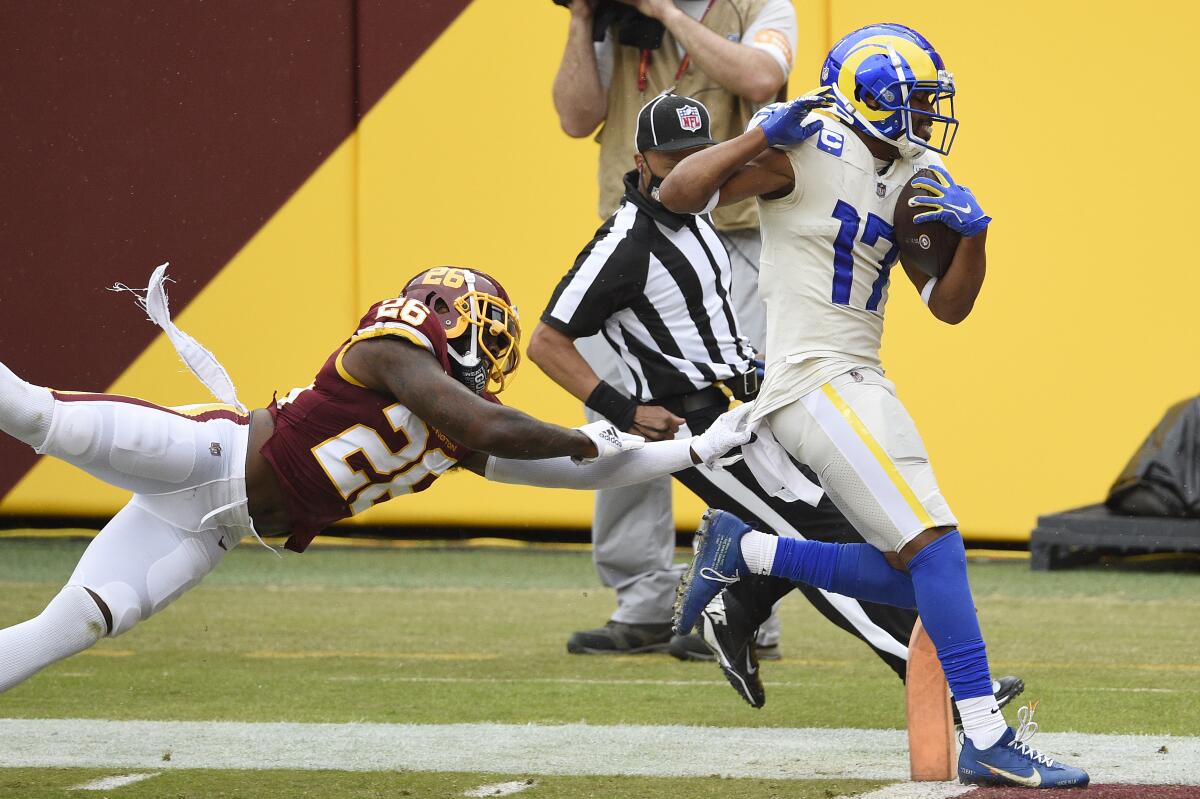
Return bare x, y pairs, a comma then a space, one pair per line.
689, 118
672, 122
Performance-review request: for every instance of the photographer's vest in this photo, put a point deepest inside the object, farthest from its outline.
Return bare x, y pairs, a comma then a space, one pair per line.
728, 112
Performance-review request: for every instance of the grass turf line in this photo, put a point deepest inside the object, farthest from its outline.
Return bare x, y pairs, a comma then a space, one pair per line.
204, 784
437, 636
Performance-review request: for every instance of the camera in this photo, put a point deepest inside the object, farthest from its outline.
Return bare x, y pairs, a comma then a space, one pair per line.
632, 28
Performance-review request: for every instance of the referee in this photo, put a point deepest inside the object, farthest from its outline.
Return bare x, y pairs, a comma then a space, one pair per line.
657, 286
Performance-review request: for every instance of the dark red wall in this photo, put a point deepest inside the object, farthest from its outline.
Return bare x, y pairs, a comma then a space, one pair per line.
133, 133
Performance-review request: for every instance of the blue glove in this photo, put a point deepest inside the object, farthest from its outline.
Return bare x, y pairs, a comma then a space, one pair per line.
760, 367
954, 205
785, 124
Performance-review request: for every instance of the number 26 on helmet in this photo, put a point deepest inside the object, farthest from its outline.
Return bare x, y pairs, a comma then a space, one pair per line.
481, 324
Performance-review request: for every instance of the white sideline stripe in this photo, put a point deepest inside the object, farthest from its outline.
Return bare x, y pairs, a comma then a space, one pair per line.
500, 788
916, 790
538, 681
532, 749
108, 783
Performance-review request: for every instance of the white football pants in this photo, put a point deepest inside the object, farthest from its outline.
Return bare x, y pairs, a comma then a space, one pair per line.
186, 468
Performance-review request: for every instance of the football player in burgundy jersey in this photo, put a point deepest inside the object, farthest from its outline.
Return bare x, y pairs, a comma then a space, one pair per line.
408, 396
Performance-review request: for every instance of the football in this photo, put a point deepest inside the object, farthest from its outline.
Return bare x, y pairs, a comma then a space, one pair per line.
929, 246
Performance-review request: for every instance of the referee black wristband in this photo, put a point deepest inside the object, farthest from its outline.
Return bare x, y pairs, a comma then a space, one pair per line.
612, 405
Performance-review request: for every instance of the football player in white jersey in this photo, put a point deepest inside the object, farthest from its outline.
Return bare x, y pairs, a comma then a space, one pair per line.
827, 169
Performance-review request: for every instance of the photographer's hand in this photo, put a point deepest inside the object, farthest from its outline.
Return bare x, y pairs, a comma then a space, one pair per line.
746, 71
583, 9
655, 9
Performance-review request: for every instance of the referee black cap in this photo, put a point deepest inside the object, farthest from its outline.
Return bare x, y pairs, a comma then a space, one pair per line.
672, 122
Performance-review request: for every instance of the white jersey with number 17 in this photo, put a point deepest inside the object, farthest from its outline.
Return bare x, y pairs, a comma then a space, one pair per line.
828, 250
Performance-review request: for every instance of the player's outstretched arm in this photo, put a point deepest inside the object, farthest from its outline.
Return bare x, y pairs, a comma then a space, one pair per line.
414, 377
655, 459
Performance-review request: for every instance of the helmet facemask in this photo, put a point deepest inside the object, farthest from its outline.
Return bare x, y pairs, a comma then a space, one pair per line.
484, 341
897, 96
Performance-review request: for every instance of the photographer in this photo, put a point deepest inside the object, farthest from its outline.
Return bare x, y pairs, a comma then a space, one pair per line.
733, 56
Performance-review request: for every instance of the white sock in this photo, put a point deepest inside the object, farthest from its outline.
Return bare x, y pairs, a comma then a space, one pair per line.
25, 409
70, 623
758, 550
982, 720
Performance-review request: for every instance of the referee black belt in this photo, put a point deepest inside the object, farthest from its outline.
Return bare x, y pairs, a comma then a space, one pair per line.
742, 387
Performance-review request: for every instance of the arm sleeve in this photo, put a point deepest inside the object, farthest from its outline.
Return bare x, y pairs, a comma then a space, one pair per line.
655, 459
774, 32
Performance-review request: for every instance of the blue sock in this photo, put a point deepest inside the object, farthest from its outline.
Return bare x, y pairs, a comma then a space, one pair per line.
939, 575
854, 570
864, 573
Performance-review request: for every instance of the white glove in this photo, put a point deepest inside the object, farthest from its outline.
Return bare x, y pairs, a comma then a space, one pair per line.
609, 441
731, 429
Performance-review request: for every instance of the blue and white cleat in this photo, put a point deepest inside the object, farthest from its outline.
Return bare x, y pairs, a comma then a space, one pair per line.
717, 563
1013, 762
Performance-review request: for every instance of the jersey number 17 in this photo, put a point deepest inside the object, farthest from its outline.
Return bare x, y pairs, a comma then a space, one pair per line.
843, 257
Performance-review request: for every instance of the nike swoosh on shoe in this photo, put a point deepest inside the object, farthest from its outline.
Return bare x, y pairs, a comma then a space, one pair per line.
1034, 780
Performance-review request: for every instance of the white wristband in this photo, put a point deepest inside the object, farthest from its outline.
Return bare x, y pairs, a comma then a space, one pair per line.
712, 202
927, 292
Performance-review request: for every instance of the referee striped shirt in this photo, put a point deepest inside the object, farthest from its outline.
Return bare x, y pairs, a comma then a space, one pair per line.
657, 285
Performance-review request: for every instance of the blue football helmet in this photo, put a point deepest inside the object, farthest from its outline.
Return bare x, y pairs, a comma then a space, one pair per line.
888, 63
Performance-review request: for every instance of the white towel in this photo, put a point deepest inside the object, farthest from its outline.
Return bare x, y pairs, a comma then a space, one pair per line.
775, 471
202, 363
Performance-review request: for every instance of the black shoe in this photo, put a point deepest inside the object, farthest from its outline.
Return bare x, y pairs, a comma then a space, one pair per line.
618, 638
726, 628
1010, 688
689, 647
757, 594
692, 647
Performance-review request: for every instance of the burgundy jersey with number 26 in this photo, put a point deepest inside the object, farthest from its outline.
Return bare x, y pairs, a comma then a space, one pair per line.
340, 447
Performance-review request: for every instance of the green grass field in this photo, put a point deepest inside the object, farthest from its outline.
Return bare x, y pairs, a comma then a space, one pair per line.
457, 635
